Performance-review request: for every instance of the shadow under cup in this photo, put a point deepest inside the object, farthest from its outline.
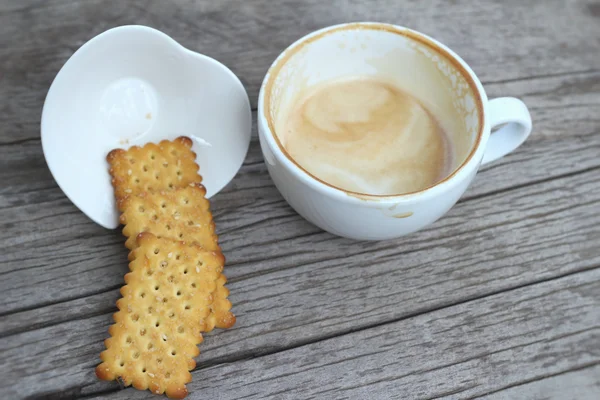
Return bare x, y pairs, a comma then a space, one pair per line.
401, 57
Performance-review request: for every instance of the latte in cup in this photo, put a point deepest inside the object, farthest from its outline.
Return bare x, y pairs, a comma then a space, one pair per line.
366, 135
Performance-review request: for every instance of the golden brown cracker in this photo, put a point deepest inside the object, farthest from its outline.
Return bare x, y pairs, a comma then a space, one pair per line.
165, 303
163, 166
220, 316
181, 214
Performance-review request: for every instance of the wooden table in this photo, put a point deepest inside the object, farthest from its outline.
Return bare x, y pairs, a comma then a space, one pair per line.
499, 299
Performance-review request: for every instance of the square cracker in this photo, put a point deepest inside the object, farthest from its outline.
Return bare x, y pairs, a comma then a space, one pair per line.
165, 302
163, 166
181, 214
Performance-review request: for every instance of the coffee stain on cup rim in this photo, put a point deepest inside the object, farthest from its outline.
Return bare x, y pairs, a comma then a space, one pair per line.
403, 215
371, 26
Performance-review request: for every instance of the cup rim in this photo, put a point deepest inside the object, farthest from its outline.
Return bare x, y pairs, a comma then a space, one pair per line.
266, 122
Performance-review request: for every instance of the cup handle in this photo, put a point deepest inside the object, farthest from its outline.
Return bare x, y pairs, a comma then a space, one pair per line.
513, 114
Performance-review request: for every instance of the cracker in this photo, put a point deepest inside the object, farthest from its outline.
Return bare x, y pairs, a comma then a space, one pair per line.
181, 214
220, 316
163, 166
165, 303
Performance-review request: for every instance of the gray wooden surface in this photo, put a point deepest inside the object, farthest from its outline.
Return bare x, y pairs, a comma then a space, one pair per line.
500, 299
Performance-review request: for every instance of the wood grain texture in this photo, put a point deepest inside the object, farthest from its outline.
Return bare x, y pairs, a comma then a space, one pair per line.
581, 384
48, 243
498, 299
456, 352
503, 41
535, 233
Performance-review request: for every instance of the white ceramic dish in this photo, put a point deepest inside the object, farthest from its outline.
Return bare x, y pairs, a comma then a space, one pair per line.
132, 85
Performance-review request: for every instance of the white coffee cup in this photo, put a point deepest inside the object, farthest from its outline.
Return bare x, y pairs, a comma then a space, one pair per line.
418, 64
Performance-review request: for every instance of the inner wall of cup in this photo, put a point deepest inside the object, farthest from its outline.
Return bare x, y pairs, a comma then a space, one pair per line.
399, 59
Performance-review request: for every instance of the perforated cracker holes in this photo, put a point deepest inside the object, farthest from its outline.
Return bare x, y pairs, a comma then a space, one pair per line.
164, 166
181, 214
164, 306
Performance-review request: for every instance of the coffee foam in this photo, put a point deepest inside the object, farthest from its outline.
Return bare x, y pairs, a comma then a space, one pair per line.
366, 135
396, 55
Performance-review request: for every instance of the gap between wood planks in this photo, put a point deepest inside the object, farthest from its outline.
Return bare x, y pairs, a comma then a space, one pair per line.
508, 292
468, 197
251, 355
262, 272
241, 356
316, 340
528, 382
